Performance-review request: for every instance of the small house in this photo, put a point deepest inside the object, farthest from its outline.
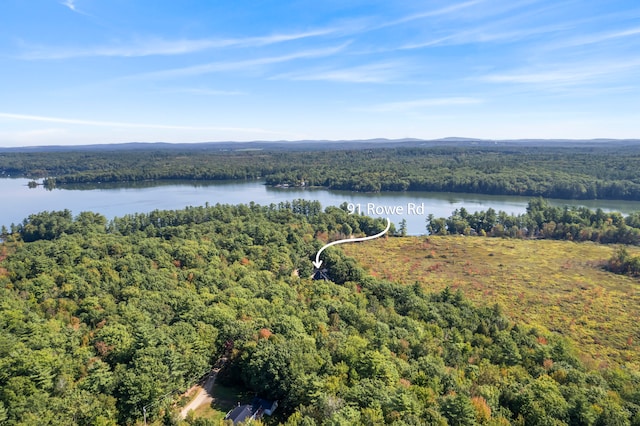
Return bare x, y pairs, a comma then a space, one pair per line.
255, 410
241, 413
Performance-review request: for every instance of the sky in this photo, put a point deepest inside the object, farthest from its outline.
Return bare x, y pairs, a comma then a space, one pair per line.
96, 71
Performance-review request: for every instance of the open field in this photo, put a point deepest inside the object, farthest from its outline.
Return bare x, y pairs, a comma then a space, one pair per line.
558, 285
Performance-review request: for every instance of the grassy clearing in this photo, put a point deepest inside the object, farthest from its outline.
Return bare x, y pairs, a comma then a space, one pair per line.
558, 285
208, 412
224, 399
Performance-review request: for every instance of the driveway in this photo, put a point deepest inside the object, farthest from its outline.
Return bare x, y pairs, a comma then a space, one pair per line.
203, 394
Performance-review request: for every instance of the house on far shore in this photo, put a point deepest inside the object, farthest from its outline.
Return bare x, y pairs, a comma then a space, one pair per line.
255, 410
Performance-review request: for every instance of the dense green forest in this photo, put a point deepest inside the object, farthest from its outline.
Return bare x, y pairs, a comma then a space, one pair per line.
542, 220
100, 319
574, 172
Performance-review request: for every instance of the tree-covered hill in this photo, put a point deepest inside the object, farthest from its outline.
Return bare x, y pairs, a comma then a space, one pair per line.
102, 319
576, 171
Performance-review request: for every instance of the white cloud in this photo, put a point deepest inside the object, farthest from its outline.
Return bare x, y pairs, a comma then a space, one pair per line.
599, 38
423, 103
369, 73
117, 124
431, 13
70, 4
486, 34
570, 74
238, 65
515, 27
162, 47
205, 91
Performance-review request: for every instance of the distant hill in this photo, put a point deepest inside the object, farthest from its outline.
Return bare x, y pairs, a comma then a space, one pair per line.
322, 145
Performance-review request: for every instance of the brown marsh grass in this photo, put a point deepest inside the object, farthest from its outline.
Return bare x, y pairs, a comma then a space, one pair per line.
557, 285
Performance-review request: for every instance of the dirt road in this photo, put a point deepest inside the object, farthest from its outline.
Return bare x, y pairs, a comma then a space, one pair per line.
203, 395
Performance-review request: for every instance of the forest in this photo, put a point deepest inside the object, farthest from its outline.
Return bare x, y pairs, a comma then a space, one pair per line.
553, 171
542, 220
102, 319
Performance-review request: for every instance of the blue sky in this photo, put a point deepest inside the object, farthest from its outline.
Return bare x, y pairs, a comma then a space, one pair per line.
95, 71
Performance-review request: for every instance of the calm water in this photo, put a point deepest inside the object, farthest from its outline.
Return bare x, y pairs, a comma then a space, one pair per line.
18, 201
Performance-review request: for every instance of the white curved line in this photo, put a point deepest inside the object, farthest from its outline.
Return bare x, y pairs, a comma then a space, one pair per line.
318, 262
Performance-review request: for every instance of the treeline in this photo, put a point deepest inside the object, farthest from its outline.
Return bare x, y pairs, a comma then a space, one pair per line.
623, 263
101, 319
542, 220
552, 172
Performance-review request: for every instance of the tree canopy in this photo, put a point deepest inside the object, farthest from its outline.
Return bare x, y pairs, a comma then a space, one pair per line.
100, 319
552, 171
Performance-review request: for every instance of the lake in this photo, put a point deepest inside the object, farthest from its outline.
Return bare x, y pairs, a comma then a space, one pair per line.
111, 200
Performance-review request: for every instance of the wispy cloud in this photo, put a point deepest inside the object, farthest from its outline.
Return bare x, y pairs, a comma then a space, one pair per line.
432, 13
163, 47
360, 25
118, 124
71, 5
523, 23
369, 73
570, 74
600, 38
238, 65
204, 91
485, 34
422, 103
